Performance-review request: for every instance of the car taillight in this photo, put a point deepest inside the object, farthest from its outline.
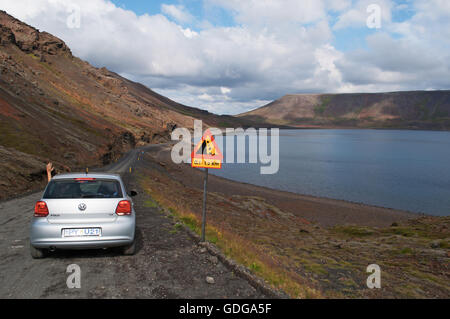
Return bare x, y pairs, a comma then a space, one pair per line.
123, 208
40, 209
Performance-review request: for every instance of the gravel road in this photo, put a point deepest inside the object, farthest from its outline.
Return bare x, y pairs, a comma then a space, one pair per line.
168, 264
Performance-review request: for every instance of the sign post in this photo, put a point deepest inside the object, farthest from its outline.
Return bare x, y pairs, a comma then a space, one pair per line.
206, 155
205, 186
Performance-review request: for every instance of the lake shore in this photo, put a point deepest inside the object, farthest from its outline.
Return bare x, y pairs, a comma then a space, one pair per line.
324, 211
308, 247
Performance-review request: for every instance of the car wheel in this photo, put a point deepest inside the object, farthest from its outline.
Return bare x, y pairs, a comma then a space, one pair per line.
130, 250
37, 253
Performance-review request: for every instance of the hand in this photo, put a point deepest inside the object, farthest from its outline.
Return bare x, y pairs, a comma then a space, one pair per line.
50, 169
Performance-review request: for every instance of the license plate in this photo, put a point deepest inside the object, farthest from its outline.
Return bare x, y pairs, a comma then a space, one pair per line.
82, 232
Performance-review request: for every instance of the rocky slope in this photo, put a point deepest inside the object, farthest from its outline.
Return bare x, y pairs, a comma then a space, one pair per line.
414, 110
54, 106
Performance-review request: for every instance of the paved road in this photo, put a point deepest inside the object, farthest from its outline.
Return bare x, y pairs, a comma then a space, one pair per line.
167, 265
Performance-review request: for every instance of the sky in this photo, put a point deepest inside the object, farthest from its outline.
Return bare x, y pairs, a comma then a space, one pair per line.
232, 56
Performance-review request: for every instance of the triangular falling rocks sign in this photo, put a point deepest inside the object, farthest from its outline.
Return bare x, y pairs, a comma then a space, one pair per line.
206, 153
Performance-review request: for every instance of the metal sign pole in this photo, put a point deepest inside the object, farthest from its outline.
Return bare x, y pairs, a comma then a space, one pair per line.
206, 154
205, 184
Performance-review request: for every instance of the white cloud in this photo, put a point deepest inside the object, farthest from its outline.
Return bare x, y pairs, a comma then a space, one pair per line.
177, 12
326, 57
206, 97
276, 47
418, 59
356, 16
274, 12
338, 5
225, 90
188, 33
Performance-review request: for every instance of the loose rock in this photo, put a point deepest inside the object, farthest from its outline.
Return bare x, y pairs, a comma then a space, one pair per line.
435, 244
214, 260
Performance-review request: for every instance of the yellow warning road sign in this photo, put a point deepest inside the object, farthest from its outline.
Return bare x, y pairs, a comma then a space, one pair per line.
206, 153
206, 163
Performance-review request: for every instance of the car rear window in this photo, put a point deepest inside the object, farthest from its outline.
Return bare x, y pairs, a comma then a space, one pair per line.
79, 188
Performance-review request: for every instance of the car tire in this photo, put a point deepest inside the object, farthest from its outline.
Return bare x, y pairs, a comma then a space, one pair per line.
36, 253
130, 250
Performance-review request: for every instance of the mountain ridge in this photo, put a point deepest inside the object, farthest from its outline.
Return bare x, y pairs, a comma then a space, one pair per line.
402, 110
57, 107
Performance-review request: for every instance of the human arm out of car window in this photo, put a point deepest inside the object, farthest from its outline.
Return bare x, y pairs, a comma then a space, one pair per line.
50, 168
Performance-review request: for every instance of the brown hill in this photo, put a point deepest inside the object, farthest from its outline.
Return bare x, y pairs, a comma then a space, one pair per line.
412, 110
55, 106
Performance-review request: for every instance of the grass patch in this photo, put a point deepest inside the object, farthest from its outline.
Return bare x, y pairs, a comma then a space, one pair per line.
15, 136
49, 68
33, 56
408, 290
348, 282
426, 276
353, 231
149, 203
78, 122
244, 252
255, 267
191, 222
320, 109
406, 251
176, 228
402, 231
264, 265
316, 268
444, 244
421, 231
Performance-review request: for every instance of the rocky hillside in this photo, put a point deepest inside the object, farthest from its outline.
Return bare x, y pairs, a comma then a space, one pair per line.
54, 106
413, 110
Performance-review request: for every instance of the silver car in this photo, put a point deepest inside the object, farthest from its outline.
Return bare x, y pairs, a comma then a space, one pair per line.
83, 211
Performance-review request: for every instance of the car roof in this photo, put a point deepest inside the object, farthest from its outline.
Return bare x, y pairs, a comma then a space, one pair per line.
89, 175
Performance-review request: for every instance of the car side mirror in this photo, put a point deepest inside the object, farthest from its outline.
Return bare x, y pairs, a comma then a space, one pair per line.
132, 193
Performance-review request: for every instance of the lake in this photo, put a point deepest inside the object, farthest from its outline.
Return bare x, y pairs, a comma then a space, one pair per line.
407, 170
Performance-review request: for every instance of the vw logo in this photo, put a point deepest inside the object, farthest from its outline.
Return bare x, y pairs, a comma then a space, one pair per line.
82, 207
